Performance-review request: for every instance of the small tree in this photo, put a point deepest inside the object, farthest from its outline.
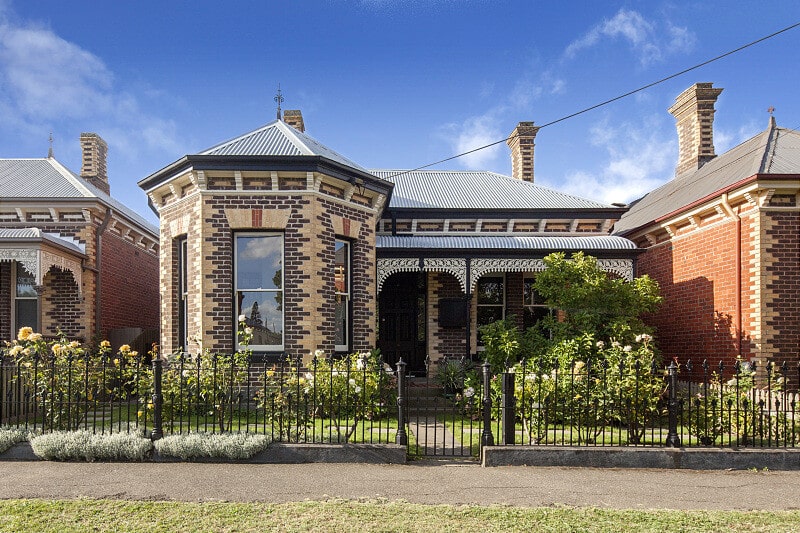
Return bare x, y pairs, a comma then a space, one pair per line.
592, 302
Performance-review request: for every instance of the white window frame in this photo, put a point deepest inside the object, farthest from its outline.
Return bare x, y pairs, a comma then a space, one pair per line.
236, 290
347, 295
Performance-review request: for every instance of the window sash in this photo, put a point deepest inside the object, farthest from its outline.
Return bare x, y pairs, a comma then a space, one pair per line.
265, 312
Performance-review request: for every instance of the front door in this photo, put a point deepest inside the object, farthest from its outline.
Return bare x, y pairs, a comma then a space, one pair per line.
402, 321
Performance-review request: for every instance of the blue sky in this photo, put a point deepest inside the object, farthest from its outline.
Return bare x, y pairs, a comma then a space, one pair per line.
391, 84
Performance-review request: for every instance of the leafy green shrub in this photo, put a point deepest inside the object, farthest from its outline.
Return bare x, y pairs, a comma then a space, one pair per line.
502, 343
200, 445
85, 446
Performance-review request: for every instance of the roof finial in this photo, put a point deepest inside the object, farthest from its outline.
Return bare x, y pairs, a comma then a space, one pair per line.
770, 110
50, 150
279, 99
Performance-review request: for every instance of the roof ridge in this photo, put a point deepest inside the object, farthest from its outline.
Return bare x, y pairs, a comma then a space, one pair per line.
294, 136
73, 178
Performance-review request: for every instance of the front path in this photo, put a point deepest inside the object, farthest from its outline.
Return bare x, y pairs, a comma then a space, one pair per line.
424, 482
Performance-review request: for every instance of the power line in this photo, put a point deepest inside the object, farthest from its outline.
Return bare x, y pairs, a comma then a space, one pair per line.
606, 102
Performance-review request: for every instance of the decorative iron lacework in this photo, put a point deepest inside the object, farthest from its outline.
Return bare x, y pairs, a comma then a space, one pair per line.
387, 267
623, 267
480, 267
38, 262
455, 266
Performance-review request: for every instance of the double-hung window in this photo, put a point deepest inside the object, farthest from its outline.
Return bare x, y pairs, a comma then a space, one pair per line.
491, 301
26, 299
534, 308
258, 282
342, 289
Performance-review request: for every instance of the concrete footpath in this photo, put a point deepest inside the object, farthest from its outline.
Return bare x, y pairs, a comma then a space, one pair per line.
425, 482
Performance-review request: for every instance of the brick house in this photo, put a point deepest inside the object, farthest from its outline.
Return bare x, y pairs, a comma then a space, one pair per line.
318, 253
72, 258
723, 241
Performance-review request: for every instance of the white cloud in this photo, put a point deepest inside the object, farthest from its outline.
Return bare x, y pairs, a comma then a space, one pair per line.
638, 159
647, 40
724, 139
475, 132
47, 81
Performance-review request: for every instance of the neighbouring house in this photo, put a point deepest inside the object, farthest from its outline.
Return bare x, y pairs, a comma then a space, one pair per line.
317, 253
723, 241
72, 258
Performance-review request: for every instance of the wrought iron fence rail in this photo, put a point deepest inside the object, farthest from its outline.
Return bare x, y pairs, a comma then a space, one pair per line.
360, 399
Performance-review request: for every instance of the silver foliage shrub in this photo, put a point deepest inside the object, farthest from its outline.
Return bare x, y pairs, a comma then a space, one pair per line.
10, 437
198, 445
83, 445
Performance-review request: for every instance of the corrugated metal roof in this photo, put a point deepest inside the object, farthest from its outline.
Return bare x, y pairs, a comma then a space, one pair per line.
479, 242
773, 151
47, 178
26, 234
36, 178
277, 139
461, 189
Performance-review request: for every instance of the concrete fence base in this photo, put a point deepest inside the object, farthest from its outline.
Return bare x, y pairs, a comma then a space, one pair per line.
690, 458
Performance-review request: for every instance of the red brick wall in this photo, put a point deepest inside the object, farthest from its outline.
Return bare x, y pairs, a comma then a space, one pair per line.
697, 276
129, 278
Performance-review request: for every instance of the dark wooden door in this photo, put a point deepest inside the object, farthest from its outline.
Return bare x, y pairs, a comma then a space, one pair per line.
401, 315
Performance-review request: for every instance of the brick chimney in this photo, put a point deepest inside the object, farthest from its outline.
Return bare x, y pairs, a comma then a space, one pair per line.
294, 118
694, 117
521, 143
93, 168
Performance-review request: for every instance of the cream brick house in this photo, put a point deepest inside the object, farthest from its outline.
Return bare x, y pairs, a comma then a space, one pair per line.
304, 243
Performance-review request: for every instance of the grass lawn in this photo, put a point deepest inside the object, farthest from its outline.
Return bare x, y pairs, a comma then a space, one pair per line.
344, 515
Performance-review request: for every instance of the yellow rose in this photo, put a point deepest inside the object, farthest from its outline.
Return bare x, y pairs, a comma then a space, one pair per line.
35, 337
24, 333
105, 344
124, 348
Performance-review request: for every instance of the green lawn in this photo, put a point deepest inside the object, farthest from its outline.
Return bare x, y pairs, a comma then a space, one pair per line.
344, 515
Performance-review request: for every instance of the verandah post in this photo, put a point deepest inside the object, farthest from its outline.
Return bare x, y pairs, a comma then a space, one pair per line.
487, 439
158, 399
402, 436
673, 440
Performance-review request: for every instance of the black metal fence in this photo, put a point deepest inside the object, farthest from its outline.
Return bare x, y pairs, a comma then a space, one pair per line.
359, 399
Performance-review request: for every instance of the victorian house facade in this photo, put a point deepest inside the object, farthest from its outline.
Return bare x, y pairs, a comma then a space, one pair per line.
315, 252
72, 258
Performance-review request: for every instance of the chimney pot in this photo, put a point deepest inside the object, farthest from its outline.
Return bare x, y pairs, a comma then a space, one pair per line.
294, 118
93, 167
521, 142
694, 119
